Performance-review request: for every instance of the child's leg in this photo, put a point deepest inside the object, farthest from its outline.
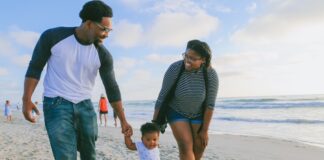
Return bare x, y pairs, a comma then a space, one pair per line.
105, 116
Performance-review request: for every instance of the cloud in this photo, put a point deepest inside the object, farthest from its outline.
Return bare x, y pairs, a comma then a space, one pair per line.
174, 24
174, 6
127, 77
127, 34
287, 23
134, 4
131, 86
179, 21
140, 85
3, 71
9, 87
18, 37
271, 73
279, 52
141, 75
123, 65
175, 28
165, 59
251, 8
246, 64
223, 9
6, 48
22, 60
25, 38
212, 6
134, 82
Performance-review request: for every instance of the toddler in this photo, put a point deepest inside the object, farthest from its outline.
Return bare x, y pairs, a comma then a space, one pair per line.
147, 148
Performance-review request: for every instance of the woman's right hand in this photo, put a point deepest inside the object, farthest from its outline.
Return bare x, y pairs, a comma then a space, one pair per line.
203, 135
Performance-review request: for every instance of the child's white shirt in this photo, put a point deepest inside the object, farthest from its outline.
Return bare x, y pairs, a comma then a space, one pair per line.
147, 154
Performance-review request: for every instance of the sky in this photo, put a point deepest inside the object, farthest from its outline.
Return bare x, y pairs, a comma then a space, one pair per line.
259, 47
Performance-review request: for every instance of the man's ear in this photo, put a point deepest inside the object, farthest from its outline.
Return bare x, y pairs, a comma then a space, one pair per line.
87, 23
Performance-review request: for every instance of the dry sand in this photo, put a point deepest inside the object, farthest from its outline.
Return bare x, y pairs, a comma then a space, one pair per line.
20, 140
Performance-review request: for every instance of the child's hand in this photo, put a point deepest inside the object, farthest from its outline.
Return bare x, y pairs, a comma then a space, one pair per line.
129, 143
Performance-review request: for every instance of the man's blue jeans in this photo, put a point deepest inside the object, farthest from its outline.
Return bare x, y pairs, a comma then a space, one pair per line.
71, 127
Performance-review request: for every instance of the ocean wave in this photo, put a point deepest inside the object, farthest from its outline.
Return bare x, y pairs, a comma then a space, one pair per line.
275, 99
140, 103
251, 100
264, 105
291, 121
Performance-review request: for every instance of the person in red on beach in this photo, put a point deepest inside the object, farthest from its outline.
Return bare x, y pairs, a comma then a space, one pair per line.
103, 109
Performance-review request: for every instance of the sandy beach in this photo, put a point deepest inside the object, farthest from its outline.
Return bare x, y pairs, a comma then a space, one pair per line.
20, 140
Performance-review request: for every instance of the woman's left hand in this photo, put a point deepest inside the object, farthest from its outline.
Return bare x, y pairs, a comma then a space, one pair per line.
203, 135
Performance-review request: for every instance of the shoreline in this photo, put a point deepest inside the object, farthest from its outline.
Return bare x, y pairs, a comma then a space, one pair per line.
23, 140
314, 144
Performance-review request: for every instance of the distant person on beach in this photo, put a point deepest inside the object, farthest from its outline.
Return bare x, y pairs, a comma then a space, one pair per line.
7, 111
73, 56
103, 109
187, 99
148, 147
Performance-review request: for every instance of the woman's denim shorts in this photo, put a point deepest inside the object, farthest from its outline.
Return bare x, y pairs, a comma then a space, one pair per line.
174, 116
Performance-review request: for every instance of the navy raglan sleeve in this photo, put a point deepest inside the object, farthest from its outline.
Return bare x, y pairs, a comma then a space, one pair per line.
40, 56
107, 74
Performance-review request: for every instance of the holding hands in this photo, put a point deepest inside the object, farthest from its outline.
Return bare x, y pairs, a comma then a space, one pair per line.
127, 129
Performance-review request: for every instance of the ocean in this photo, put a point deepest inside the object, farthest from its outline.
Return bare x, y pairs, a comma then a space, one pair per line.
294, 118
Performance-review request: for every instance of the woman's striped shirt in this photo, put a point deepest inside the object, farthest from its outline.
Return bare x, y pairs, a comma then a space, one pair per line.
190, 91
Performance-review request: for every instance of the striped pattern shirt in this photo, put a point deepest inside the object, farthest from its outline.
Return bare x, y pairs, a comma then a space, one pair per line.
190, 91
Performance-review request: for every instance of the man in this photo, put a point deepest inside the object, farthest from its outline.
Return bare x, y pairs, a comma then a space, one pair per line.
73, 56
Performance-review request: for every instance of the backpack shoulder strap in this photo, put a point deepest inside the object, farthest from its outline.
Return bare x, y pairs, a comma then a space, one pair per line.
161, 117
206, 86
174, 85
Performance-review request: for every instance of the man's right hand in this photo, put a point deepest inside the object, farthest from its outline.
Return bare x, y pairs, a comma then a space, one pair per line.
27, 108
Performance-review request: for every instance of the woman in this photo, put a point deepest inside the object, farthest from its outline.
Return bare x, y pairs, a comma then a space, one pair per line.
190, 109
103, 109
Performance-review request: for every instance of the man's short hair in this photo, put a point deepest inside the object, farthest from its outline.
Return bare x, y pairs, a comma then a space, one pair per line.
95, 10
